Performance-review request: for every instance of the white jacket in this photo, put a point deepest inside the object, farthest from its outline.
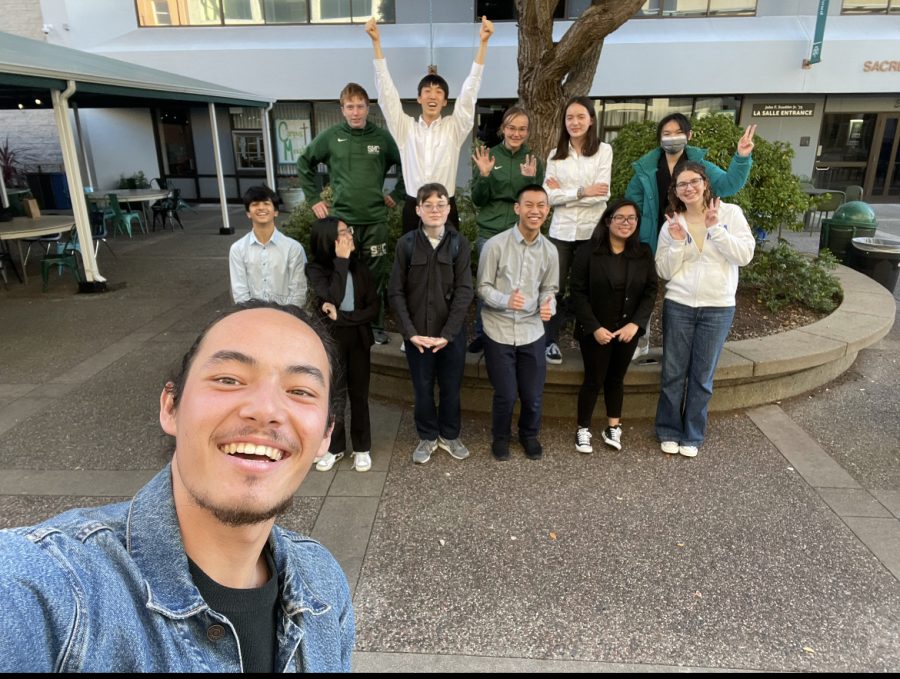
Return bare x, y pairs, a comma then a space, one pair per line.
575, 219
707, 278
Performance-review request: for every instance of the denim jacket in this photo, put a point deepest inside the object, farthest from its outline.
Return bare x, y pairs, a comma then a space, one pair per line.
109, 590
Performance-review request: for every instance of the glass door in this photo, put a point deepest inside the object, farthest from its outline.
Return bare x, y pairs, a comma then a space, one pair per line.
883, 174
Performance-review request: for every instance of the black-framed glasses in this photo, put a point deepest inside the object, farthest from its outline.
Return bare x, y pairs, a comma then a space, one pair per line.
625, 219
695, 183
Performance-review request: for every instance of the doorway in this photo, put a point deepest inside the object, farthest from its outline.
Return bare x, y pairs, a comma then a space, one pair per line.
883, 173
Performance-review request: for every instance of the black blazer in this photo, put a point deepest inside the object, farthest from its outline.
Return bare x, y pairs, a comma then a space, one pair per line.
329, 283
591, 291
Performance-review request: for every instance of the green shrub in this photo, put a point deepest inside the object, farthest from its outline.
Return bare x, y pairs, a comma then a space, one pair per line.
782, 276
771, 198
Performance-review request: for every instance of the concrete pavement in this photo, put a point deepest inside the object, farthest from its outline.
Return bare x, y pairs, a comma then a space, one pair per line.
777, 548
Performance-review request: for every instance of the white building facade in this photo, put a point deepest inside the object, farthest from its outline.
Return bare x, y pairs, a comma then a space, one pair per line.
740, 57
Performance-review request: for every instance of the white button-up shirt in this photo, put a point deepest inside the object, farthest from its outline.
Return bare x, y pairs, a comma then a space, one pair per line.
272, 272
429, 153
575, 219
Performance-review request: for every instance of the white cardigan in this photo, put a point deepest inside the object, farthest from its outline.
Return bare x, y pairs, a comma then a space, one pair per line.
707, 278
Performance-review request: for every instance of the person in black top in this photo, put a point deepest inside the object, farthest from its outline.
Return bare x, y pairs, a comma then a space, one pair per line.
613, 293
430, 292
346, 293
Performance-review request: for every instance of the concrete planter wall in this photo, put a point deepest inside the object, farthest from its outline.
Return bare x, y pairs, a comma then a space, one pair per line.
750, 373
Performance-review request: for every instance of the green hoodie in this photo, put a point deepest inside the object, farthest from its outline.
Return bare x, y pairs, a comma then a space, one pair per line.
495, 194
357, 160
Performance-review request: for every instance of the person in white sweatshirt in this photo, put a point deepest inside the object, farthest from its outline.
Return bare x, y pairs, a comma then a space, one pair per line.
700, 248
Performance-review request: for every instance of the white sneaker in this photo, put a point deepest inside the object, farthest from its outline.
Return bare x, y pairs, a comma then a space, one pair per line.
362, 462
688, 451
403, 346
328, 461
669, 447
583, 440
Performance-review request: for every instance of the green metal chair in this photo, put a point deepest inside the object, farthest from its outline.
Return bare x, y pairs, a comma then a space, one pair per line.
65, 257
122, 219
853, 192
825, 205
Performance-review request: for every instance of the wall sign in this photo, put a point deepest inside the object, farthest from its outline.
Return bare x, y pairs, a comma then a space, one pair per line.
784, 110
292, 136
881, 66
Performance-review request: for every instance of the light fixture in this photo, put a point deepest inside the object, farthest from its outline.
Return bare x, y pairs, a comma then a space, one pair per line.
37, 101
21, 106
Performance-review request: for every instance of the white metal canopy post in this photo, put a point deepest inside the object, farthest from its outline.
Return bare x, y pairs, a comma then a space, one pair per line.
220, 177
4, 199
267, 148
73, 177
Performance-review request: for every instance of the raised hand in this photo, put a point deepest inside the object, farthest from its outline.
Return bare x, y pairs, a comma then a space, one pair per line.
320, 209
676, 230
484, 160
372, 30
343, 246
516, 300
711, 217
745, 145
529, 167
487, 29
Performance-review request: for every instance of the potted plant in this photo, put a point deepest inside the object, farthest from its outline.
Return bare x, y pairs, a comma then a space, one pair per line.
291, 193
135, 181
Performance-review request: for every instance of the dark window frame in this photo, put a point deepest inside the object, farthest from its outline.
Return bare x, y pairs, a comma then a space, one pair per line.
222, 22
890, 7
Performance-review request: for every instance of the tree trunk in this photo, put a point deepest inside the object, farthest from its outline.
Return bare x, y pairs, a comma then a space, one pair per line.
552, 72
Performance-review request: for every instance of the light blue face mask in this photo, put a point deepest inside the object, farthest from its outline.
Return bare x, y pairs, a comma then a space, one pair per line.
673, 145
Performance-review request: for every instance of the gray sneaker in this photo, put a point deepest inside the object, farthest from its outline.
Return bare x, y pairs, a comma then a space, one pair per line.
455, 447
423, 451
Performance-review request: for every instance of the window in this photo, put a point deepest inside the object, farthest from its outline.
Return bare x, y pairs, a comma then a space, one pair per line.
248, 150
505, 10
612, 114
259, 12
697, 8
870, 7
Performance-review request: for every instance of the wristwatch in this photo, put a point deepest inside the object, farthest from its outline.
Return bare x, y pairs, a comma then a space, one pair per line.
579, 194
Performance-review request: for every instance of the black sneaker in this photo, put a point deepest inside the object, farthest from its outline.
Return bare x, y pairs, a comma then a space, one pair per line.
381, 337
500, 450
533, 448
476, 346
612, 436
553, 354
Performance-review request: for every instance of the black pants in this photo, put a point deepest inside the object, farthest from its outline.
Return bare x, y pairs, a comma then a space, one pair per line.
566, 251
516, 372
411, 219
444, 368
353, 349
604, 365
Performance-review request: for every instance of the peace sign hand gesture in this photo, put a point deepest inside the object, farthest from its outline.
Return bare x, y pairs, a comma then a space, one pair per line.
712, 213
529, 167
483, 160
745, 145
676, 230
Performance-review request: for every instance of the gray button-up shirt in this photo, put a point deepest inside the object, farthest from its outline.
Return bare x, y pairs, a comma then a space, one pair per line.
507, 263
273, 272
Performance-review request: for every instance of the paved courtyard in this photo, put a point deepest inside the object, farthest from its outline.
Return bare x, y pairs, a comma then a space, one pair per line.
777, 548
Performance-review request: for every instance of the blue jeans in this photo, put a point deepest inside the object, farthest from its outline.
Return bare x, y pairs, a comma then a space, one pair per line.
516, 371
692, 343
446, 368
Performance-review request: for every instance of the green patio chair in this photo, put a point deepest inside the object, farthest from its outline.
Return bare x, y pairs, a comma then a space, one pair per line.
121, 219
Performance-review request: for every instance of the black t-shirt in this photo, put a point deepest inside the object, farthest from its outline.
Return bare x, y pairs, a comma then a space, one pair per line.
663, 181
248, 610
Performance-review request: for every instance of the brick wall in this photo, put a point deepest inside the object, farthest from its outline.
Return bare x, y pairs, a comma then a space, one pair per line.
33, 133
22, 17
